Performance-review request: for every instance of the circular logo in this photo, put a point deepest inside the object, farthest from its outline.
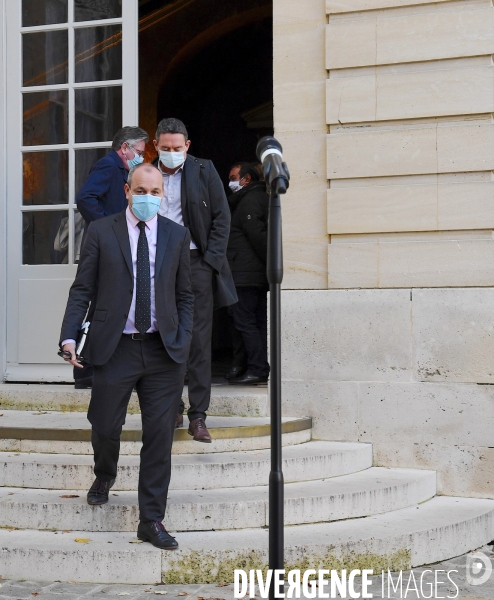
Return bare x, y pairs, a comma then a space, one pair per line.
479, 568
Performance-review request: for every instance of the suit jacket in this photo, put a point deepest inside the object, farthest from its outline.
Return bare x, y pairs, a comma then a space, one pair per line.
103, 192
106, 266
206, 213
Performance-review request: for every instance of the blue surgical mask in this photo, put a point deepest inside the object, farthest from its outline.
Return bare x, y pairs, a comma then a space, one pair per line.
137, 160
145, 206
172, 160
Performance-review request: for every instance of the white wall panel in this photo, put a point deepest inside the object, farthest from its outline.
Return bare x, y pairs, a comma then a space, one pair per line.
383, 39
395, 96
411, 207
465, 259
343, 6
443, 148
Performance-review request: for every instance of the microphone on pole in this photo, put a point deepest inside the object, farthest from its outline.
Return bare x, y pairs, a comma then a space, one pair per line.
270, 154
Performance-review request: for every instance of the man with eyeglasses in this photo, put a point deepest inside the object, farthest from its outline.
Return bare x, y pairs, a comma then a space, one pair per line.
103, 194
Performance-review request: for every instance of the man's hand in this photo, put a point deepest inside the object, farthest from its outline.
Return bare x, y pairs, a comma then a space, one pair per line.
73, 361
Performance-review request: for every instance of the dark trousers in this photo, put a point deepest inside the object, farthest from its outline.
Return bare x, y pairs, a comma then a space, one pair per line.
158, 380
84, 375
238, 349
199, 365
251, 319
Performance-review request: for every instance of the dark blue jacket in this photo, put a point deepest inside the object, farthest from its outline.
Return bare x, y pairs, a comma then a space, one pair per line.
103, 192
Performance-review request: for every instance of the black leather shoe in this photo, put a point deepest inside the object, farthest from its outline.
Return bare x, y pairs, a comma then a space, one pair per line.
155, 533
179, 421
98, 492
248, 379
235, 372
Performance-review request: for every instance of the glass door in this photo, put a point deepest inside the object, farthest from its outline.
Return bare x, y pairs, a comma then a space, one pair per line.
72, 83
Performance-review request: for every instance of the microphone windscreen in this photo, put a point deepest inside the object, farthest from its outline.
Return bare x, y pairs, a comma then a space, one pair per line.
266, 143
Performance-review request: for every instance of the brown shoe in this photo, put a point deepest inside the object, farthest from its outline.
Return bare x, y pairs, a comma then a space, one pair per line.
198, 429
180, 421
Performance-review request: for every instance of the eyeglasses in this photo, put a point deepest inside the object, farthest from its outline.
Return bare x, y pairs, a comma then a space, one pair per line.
140, 153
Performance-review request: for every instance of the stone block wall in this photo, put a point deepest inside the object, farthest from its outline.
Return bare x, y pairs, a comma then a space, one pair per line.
410, 150
300, 77
385, 112
410, 370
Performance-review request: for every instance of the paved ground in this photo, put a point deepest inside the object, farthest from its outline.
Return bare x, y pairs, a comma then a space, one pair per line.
456, 586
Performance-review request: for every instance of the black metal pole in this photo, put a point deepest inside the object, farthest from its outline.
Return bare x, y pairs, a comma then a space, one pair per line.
276, 493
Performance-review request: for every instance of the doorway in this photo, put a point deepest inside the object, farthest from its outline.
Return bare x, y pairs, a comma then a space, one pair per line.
209, 63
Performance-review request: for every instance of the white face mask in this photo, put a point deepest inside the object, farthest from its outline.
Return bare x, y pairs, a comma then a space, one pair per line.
235, 186
172, 160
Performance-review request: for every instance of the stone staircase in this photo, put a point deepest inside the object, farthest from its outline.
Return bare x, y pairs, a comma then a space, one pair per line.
340, 510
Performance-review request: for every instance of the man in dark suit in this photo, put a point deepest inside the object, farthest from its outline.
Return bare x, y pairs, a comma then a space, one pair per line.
103, 194
194, 196
139, 265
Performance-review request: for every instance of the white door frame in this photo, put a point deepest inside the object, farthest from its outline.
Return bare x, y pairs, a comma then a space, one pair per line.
55, 279
3, 191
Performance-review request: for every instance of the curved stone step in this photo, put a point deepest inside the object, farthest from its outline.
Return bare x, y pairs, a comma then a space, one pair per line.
70, 433
439, 529
303, 462
373, 491
244, 401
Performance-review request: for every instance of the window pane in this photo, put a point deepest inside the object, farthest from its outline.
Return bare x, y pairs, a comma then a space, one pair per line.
79, 225
45, 177
45, 118
45, 237
43, 12
98, 53
98, 114
84, 160
90, 10
45, 57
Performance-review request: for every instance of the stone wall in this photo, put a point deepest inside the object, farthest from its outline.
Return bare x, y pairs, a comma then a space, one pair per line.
396, 99
410, 370
409, 103
388, 103
300, 77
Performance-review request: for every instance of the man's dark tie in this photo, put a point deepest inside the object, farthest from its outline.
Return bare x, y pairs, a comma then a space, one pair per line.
143, 282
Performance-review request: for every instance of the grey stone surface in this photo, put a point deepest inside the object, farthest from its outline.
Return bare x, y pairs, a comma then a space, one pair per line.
68, 421
333, 404
225, 401
303, 462
453, 334
371, 491
78, 420
442, 426
440, 413
346, 335
461, 588
461, 470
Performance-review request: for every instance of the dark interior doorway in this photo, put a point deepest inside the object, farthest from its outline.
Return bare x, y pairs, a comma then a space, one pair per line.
213, 69
225, 96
